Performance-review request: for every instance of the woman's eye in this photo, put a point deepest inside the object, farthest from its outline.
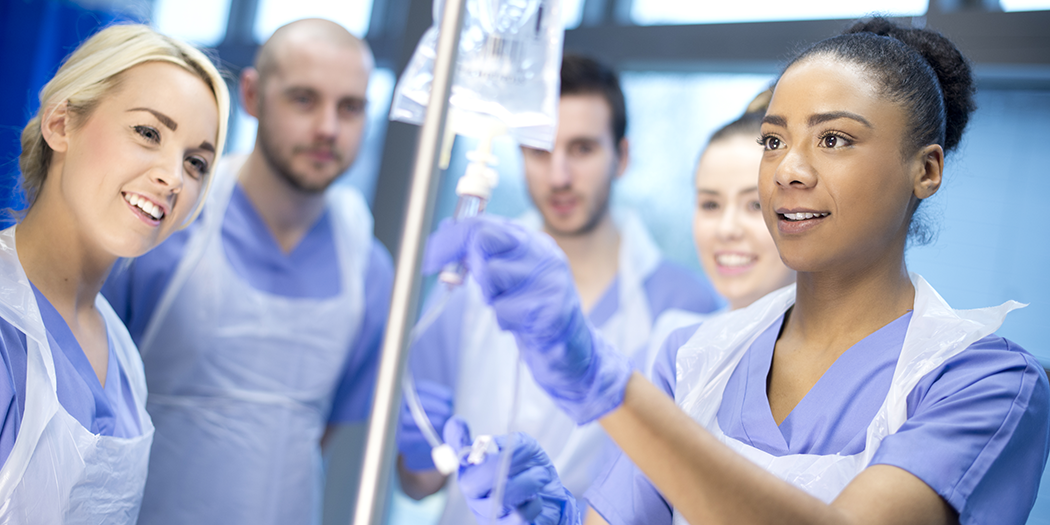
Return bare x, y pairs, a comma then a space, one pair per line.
708, 205
833, 141
770, 142
148, 133
754, 206
198, 167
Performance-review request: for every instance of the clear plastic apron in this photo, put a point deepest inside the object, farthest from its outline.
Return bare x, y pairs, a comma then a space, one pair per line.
241, 381
489, 361
936, 333
58, 471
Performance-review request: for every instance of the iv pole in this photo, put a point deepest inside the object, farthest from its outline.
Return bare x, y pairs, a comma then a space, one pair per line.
379, 446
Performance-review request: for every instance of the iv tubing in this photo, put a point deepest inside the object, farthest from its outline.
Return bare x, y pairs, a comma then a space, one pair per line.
408, 384
415, 406
503, 468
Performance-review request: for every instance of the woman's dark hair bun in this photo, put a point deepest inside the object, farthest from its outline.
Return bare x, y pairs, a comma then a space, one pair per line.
953, 70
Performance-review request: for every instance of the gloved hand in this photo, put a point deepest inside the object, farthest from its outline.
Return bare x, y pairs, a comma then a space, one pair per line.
411, 443
527, 280
533, 493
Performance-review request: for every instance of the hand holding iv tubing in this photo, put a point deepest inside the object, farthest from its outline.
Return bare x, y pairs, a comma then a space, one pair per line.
444, 457
521, 487
527, 281
474, 189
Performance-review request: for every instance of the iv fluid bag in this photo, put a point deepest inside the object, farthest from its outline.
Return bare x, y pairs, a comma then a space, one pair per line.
508, 67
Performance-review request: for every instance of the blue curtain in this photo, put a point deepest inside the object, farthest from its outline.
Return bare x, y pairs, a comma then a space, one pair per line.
35, 35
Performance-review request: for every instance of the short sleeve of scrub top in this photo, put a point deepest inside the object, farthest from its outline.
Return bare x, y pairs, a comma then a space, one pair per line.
308, 271
104, 410
621, 493
975, 433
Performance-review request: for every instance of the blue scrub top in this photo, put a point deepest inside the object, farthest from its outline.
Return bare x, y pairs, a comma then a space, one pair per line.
106, 411
310, 270
435, 355
976, 432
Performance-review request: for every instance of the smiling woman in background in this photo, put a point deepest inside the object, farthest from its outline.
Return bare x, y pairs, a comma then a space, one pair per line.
732, 242
735, 248
116, 159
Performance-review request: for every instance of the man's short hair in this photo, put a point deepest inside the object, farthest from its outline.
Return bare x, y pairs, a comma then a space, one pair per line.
582, 75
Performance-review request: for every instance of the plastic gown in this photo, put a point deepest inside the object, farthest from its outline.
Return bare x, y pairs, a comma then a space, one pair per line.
241, 380
58, 471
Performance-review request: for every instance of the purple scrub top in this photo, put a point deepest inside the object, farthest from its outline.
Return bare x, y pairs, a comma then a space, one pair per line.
106, 411
976, 432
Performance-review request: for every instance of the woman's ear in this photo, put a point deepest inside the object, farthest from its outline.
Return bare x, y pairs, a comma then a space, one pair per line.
55, 126
929, 169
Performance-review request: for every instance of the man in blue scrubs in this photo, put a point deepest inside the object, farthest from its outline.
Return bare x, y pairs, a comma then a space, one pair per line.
466, 364
260, 324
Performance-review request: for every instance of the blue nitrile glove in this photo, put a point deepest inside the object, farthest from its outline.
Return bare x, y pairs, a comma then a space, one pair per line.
527, 280
411, 443
533, 492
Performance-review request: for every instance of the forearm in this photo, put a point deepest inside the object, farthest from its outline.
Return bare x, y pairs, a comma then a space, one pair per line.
593, 518
418, 485
702, 478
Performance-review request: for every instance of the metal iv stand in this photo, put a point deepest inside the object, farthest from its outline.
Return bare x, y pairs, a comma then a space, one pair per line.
379, 446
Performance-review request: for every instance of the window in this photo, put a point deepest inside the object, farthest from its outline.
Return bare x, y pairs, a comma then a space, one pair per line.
354, 15
200, 22
572, 13
1024, 5
658, 12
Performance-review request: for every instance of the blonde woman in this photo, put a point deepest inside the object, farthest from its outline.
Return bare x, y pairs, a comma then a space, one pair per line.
117, 158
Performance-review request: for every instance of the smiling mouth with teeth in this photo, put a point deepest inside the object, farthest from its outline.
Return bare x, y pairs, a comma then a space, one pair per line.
801, 216
145, 206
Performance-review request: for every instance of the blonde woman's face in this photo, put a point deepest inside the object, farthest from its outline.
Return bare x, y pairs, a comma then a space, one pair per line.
734, 246
132, 173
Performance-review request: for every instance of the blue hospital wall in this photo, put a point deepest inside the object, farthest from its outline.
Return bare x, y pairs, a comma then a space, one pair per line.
993, 243
35, 36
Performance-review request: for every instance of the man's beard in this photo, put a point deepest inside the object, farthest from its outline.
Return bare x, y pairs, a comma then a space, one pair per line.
593, 220
282, 166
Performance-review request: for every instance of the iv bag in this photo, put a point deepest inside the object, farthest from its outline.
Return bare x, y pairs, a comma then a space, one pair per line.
508, 67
